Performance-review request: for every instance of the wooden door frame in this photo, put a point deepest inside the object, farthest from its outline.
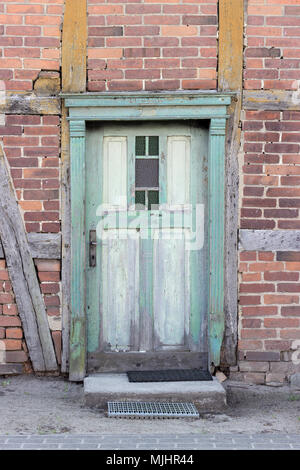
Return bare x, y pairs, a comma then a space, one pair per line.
146, 106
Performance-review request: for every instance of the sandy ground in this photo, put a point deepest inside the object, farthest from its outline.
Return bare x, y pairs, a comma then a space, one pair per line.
40, 405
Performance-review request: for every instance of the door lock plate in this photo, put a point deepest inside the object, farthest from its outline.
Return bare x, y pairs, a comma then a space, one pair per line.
93, 248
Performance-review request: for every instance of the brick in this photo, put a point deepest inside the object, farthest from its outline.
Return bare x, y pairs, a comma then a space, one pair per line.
142, 30
118, 85
262, 52
108, 9
256, 288
251, 277
52, 300
277, 345
290, 311
248, 256
16, 356
199, 19
281, 276
262, 356
48, 265
280, 213
10, 309
266, 202
179, 30
257, 378
266, 256
254, 366
6, 320
248, 344
250, 300
162, 85
281, 299
14, 333
288, 333
266, 266
289, 202
106, 31
281, 322
6, 298
277, 378
141, 52
52, 227
49, 288
45, 276
258, 333
251, 323
254, 213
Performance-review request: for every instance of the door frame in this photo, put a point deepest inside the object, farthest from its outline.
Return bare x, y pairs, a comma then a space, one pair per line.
133, 107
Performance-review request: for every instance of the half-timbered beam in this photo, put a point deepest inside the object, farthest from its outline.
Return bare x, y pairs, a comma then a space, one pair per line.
74, 53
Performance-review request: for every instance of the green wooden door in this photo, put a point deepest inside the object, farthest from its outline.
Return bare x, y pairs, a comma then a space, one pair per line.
146, 243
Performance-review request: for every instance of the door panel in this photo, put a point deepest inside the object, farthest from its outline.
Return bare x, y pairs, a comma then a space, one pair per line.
146, 296
178, 170
120, 294
115, 170
171, 290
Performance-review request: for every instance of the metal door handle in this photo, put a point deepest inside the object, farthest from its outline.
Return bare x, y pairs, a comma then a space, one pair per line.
93, 248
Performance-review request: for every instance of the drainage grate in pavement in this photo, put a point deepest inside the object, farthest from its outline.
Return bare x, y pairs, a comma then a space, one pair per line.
151, 409
172, 375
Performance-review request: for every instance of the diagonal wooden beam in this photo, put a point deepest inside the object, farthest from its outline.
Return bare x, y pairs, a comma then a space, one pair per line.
23, 277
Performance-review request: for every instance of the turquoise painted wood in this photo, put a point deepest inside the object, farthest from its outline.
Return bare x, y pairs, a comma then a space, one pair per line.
148, 293
145, 106
78, 320
216, 237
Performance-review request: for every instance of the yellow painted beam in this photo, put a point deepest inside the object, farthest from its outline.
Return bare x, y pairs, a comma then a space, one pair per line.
231, 22
74, 46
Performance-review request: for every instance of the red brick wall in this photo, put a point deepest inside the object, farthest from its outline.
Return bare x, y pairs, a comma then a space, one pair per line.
12, 340
152, 45
32, 148
271, 170
29, 40
269, 316
12, 344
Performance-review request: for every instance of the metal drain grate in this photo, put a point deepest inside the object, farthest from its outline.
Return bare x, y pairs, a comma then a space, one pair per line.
172, 375
152, 409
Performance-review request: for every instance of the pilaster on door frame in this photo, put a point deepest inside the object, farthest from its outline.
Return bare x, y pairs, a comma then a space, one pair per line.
146, 106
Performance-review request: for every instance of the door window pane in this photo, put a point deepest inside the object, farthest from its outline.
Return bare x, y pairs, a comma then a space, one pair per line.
153, 145
153, 199
140, 200
140, 145
146, 173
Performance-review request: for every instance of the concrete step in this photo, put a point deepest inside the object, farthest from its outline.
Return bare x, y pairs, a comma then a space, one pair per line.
208, 396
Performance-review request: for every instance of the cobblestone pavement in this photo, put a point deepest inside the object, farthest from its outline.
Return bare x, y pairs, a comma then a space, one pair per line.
264, 441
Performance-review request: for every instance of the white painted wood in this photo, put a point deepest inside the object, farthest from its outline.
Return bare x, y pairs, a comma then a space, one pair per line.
115, 170
171, 290
120, 281
178, 170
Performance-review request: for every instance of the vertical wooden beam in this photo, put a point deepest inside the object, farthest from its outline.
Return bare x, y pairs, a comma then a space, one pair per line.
231, 28
216, 177
74, 53
78, 339
23, 277
230, 78
74, 46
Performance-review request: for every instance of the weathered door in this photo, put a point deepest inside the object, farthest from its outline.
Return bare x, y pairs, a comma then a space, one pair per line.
146, 242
